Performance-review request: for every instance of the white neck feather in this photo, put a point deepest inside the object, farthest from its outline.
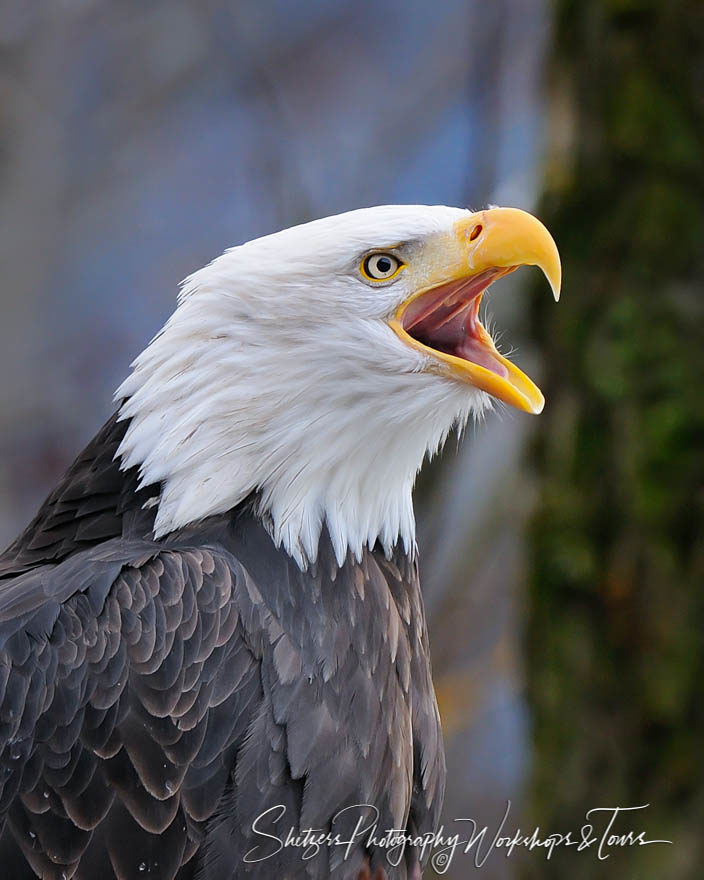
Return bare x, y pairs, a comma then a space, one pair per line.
317, 407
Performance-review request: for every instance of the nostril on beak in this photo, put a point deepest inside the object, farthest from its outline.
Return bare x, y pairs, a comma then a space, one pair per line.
476, 232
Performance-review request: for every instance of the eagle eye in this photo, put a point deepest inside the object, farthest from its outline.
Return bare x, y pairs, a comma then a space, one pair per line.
381, 267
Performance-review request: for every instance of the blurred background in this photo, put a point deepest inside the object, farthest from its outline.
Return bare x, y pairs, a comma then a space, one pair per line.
562, 557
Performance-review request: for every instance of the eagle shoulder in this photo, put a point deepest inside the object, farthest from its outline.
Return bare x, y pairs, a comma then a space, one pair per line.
124, 679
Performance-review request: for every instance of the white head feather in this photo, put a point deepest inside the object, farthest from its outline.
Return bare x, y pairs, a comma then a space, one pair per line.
279, 374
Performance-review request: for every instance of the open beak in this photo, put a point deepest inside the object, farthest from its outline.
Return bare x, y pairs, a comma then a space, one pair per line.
441, 320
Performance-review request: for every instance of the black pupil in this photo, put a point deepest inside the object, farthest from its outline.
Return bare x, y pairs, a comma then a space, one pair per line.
383, 265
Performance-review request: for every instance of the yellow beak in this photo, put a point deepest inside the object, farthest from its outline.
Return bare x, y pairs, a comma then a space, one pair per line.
490, 244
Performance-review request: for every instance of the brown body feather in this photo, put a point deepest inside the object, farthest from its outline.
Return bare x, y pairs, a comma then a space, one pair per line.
157, 696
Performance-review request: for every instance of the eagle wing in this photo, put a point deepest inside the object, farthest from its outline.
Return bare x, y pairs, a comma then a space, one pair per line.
126, 684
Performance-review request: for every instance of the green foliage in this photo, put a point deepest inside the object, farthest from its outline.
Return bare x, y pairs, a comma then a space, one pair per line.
616, 631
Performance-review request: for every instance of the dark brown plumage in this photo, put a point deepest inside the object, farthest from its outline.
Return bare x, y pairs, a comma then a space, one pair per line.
157, 696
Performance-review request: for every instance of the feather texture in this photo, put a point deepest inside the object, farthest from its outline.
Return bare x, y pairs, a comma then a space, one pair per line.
157, 696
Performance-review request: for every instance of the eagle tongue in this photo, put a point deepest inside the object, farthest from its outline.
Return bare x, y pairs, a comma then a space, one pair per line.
476, 352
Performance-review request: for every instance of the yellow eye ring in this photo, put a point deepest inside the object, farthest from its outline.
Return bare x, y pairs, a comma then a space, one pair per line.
381, 267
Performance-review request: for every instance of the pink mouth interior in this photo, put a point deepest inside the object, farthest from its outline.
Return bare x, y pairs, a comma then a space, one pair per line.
446, 319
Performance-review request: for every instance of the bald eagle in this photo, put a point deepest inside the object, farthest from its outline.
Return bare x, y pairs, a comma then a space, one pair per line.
212, 637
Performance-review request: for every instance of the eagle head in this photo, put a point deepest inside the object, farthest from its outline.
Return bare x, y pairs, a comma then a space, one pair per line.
316, 367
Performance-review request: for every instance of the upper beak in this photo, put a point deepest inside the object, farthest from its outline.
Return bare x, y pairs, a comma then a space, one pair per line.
508, 238
491, 243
